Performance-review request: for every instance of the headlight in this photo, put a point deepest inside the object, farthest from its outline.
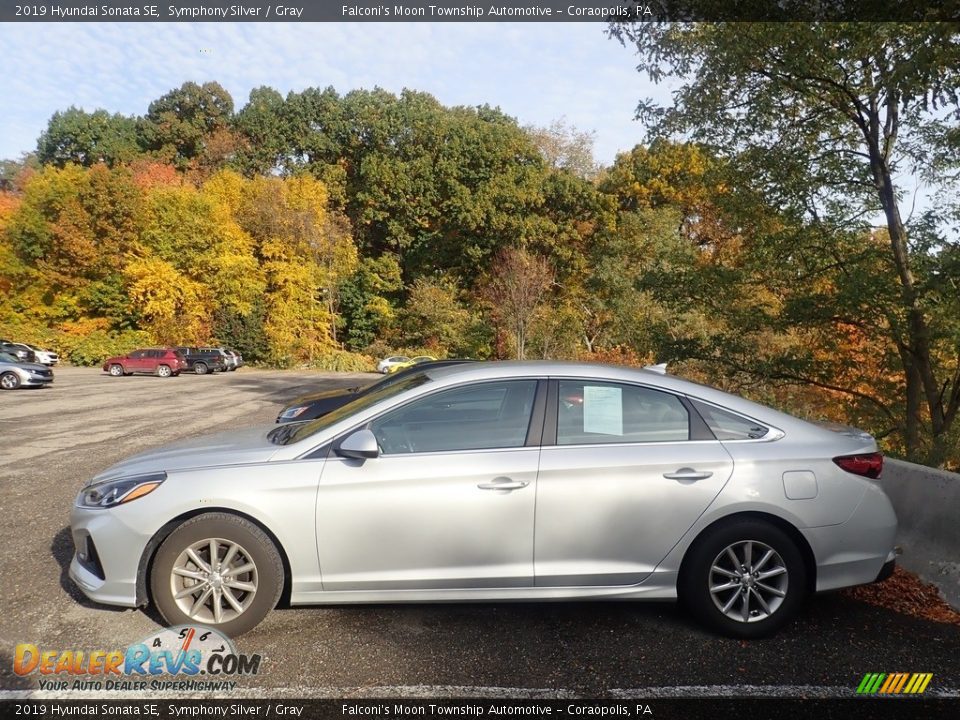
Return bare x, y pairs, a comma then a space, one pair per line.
116, 492
293, 412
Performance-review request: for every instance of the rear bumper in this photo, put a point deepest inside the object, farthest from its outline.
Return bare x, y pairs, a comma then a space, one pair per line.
887, 570
858, 551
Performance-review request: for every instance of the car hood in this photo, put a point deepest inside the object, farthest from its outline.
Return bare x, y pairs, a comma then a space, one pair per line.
236, 447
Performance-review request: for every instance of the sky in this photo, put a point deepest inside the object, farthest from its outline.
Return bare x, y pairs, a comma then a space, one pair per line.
534, 72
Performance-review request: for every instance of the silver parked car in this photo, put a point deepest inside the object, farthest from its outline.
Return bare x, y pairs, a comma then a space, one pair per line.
496, 481
383, 367
16, 373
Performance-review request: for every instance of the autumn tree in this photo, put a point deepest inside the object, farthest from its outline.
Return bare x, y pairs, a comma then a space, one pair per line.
826, 118
435, 316
566, 147
515, 291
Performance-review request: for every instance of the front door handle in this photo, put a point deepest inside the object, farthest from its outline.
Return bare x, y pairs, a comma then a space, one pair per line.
503, 483
688, 474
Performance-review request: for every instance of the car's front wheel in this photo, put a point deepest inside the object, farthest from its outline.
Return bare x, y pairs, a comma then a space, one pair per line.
745, 579
200, 368
219, 570
9, 381
116, 370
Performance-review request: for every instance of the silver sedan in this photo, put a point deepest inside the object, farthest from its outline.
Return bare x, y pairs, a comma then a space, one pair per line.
501, 482
15, 373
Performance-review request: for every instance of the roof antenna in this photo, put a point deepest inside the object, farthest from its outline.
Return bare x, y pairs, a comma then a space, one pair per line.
660, 368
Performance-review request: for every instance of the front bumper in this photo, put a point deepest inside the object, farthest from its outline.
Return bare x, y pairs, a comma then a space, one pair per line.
108, 574
31, 380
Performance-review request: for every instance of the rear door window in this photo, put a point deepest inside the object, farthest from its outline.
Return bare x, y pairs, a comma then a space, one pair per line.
590, 412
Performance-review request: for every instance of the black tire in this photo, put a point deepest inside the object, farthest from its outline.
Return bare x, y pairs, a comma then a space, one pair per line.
9, 381
255, 547
164, 371
201, 368
708, 565
116, 370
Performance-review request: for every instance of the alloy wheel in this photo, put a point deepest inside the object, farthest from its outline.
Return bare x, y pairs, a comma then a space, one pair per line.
748, 581
214, 581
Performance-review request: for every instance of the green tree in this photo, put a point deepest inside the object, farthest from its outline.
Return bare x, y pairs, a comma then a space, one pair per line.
179, 124
435, 316
826, 117
76, 136
368, 301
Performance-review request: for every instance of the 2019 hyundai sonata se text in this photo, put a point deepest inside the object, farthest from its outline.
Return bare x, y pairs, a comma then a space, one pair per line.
496, 481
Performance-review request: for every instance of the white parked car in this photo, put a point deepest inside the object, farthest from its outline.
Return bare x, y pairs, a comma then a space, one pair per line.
44, 357
384, 365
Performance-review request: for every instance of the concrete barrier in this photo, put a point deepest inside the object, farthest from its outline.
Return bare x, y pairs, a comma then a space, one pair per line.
927, 502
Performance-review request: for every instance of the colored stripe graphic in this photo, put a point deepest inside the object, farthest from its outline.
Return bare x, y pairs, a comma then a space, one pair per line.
894, 683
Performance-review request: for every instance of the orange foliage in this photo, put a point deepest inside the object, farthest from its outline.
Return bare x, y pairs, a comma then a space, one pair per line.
149, 174
617, 355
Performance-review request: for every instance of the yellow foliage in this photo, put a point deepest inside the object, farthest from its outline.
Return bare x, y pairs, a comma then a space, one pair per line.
175, 308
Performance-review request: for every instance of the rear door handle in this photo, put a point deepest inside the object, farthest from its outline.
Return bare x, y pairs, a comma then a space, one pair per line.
503, 483
688, 474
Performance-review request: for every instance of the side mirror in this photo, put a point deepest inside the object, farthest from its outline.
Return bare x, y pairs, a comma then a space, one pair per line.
360, 445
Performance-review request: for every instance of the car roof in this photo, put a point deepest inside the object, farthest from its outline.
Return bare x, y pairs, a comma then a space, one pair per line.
492, 370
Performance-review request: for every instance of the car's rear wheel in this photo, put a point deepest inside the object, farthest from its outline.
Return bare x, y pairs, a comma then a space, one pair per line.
746, 579
164, 371
116, 370
9, 381
219, 570
201, 368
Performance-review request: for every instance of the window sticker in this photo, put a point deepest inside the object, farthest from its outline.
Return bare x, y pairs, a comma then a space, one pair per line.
602, 410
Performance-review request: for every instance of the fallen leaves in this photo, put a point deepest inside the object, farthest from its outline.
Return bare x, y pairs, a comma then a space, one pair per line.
905, 593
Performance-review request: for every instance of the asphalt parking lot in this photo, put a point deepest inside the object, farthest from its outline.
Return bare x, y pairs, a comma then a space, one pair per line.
54, 439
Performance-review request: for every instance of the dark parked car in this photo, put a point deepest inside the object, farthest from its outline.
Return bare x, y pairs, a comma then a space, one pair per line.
202, 360
19, 351
153, 361
314, 405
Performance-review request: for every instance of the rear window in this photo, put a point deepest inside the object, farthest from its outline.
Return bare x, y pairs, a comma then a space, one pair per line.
729, 426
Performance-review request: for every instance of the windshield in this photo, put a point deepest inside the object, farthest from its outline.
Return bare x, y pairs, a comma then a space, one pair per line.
295, 432
7, 357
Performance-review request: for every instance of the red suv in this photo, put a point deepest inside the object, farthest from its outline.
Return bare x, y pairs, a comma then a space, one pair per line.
156, 361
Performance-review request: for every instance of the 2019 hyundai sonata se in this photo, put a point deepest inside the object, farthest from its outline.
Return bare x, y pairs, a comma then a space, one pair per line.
496, 481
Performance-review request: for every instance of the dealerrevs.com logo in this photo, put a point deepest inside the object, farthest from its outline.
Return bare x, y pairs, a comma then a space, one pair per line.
205, 656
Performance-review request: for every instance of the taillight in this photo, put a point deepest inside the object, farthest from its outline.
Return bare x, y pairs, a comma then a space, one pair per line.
868, 465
